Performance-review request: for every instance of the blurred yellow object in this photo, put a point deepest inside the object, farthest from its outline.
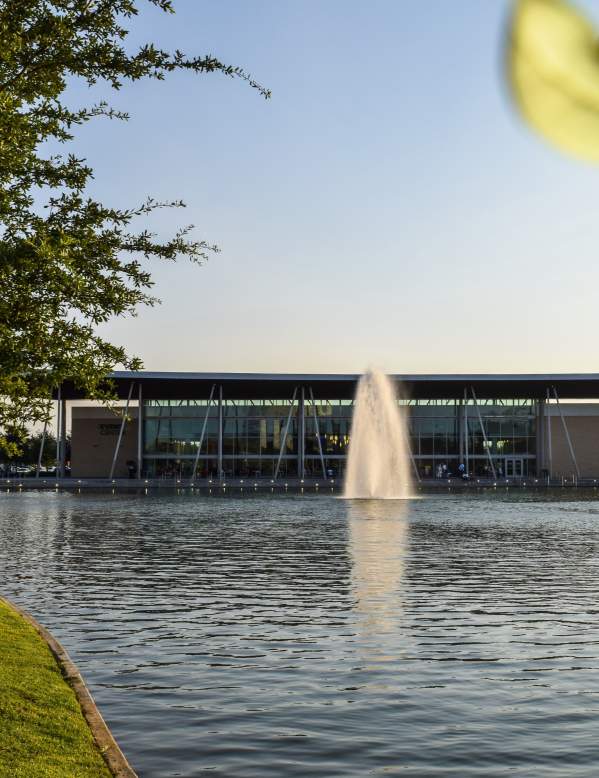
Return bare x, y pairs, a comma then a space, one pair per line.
553, 70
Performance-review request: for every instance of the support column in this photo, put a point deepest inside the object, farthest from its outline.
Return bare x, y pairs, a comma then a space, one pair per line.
140, 432
482, 426
41, 454
408, 443
58, 429
317, 431
286, 432
301, 435
202, 434
121, 431
465, 433
549, 440
540, 438
460, 426
63, 438
567, 433
219, 465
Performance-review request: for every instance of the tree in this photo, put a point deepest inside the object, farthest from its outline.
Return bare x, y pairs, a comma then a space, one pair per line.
30, 451
67, 262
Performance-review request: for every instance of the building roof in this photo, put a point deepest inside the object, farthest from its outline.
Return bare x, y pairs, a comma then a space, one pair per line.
279, 386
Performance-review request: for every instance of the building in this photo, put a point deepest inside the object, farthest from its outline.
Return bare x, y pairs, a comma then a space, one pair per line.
187, 425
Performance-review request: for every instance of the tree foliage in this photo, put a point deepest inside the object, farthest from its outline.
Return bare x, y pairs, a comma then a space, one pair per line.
29, 452
69, 263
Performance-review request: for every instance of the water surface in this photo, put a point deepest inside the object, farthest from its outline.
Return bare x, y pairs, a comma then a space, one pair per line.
310, 636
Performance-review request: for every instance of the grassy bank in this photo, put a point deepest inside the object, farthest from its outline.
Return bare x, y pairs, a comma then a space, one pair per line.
42, 731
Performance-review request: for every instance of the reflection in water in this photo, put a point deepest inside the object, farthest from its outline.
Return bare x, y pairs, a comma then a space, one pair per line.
378, 533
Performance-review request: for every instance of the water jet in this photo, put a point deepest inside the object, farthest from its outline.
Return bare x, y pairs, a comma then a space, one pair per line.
379, 462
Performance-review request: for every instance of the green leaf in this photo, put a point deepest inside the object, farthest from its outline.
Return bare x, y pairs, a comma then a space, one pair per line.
553, 71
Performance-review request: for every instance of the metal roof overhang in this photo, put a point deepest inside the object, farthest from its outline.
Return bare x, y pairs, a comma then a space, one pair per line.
280, 386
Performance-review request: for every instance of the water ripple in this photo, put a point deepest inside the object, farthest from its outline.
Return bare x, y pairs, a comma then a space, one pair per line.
307, 636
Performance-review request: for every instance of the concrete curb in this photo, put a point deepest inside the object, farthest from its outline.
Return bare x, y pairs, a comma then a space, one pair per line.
112, 754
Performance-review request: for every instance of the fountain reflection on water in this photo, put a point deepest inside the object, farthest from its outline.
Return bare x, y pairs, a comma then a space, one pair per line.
378, 533
378, 464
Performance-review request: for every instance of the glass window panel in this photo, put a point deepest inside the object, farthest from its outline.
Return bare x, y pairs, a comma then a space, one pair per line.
415, 444
426, 444
440, 445
523, 428
492, 428
520, 445
442, 426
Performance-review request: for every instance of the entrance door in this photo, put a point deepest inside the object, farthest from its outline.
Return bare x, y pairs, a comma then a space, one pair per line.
514, 468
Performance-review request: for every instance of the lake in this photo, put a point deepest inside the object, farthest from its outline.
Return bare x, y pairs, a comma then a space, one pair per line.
305, 635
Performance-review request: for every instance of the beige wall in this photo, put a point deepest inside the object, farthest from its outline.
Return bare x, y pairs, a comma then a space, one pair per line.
584, 433
94, 434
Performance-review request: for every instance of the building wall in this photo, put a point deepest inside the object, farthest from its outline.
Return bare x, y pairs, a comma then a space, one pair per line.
94, 434
583, 426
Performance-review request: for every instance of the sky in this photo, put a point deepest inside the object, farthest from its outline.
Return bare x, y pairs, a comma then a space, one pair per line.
386, 207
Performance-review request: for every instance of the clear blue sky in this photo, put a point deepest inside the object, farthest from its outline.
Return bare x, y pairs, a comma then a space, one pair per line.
386, 207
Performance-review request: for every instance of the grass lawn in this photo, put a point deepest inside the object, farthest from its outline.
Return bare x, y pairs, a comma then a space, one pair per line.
42, 731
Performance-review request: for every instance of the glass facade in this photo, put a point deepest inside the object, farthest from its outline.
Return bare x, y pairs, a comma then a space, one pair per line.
445, 433
251, 438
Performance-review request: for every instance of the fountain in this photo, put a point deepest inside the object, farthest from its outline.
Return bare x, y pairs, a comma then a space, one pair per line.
378, 464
